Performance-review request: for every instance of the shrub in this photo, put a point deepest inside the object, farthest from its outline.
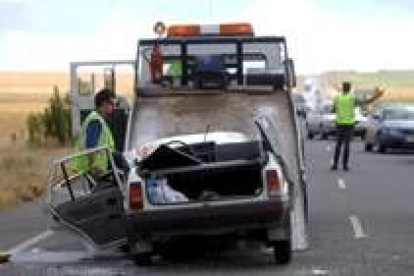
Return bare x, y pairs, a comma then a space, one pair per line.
53, 124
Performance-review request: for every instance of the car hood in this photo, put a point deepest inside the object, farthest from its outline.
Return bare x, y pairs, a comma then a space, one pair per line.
398, 124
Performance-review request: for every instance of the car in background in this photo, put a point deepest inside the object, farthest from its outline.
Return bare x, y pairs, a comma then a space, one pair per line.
391, 126
323, 123
301, 104
316, 118
373, 121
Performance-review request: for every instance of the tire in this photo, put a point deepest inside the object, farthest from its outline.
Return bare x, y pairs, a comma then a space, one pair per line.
368, 147
282, 251
324, 136
382, 148
310, 135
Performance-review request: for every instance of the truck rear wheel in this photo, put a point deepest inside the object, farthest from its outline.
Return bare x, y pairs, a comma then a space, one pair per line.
282, 251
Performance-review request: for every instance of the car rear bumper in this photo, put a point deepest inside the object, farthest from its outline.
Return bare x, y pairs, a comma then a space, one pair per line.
209, 218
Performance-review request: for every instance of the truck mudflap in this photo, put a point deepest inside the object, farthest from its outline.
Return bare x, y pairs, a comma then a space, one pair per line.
211, 217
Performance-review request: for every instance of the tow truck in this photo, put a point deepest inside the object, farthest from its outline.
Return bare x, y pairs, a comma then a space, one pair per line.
213, 145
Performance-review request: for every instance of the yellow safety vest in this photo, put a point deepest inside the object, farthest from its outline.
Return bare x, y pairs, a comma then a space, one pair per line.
345, 108
101, 160
175, 70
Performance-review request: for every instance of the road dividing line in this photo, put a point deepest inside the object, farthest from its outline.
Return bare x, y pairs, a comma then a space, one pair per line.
356, 225
30, 242
320, 272
341, 183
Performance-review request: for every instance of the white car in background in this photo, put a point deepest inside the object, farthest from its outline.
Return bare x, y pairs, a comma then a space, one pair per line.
323, 123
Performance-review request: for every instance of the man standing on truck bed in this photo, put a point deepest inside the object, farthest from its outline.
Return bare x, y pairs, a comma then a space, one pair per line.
344, 108
96, 133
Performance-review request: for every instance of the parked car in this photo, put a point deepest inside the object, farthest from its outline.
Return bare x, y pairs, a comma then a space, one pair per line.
323, 123
391, 126
315, 119
301, 104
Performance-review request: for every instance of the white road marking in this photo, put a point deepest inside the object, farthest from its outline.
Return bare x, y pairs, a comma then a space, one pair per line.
341, 183
320, 272
356, 225
328, 148
30, 242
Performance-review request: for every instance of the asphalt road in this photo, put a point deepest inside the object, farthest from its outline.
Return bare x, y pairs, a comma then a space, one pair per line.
361, 223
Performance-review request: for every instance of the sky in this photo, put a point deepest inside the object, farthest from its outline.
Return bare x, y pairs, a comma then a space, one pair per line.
322, 35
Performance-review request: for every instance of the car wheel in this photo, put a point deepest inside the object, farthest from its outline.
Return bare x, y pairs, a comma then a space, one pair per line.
368, 147
324, 136
382, 148
310, 135
282, 251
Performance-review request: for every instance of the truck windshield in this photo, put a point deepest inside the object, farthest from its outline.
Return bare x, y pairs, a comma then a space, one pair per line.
180, 62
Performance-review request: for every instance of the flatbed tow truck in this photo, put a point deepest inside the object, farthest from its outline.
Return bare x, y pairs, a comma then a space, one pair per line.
213, 143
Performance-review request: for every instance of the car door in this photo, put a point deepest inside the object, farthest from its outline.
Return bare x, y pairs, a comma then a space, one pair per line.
93, 209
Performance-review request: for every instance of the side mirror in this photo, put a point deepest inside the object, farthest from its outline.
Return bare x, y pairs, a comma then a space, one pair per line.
290, 73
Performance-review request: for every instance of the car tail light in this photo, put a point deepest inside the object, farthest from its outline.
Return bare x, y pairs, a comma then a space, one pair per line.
135, 196
273, 183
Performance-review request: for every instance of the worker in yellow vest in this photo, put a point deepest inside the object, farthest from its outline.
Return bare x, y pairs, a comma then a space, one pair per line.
175, 72
344, 108
96, 133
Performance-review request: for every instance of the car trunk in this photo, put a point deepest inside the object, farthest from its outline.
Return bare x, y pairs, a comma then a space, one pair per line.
203, 172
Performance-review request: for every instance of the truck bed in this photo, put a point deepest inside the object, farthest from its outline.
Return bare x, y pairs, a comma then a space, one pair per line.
181, 112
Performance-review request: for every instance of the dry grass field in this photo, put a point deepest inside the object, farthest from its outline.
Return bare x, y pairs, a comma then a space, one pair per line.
23, 169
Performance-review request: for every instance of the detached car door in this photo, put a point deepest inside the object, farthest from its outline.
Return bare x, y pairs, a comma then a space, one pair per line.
93, 209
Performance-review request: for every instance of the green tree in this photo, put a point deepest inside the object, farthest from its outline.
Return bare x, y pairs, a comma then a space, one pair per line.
53, 124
